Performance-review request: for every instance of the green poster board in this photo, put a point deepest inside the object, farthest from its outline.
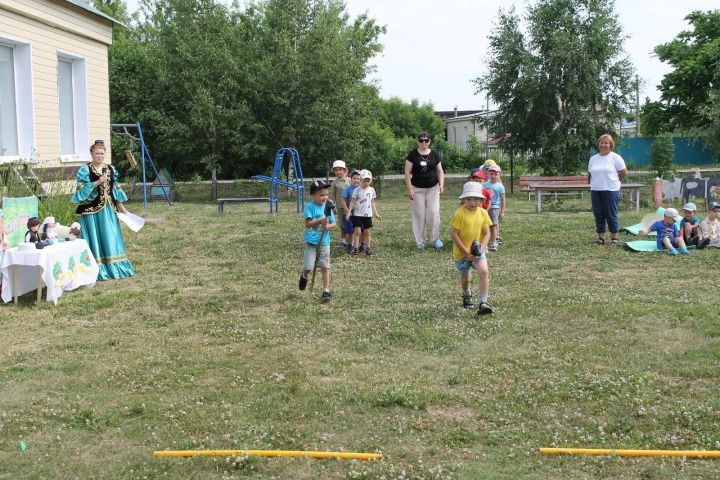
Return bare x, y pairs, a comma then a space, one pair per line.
16, 212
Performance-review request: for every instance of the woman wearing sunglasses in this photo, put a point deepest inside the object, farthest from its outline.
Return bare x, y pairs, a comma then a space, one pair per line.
425, 182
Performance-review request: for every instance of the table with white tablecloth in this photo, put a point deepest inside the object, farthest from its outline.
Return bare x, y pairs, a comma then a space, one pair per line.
59, 267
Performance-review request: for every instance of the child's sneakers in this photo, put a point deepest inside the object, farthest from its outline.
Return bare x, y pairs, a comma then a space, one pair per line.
468, 301
499, 241
673, 252
484, 309
302, 283
326, 297
492, 247
703, 243
438, 243
368, 251
684, 251
355, 252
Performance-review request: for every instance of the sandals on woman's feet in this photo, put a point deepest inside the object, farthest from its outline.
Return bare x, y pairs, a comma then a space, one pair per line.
614, 242
600, 241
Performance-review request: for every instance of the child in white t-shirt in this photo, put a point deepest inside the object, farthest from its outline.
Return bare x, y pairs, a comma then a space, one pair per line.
711, 226
361, 209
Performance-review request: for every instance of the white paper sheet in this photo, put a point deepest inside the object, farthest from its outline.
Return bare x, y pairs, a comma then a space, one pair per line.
133, 222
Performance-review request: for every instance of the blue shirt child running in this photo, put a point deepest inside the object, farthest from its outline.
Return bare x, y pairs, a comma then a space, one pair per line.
312, 235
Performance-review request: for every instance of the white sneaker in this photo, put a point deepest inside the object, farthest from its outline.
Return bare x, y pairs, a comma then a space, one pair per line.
493, 247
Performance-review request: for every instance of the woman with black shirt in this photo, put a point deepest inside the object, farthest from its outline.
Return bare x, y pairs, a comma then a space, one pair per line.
425, 182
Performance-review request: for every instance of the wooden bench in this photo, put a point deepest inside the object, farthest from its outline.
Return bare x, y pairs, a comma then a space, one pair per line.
222, 201
528, 184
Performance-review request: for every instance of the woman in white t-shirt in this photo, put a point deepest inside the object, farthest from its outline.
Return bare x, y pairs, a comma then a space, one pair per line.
607, 169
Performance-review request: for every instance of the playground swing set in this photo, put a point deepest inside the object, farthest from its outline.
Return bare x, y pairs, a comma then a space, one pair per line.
124, 130
297, 183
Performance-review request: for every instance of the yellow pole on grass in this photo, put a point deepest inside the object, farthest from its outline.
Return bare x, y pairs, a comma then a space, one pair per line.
266, 453
632, 453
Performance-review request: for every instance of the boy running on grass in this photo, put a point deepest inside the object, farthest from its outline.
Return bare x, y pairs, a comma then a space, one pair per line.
317, 242
470, 232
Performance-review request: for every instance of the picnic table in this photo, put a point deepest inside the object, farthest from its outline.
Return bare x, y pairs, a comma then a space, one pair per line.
539, 188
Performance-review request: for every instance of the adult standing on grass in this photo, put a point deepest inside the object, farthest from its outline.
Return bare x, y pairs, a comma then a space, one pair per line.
425, 181
606, 169
99, 198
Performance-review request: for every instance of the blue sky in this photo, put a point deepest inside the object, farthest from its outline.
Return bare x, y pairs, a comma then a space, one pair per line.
433, 49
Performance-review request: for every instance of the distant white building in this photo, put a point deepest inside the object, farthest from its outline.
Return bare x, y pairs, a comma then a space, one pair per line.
459, 128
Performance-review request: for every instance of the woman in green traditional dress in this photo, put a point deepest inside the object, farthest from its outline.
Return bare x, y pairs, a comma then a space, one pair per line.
99, 198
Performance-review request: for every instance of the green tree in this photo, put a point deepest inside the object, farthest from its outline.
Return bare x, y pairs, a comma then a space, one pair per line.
662, 154
559, 85
222, 87
694, 56
690, 94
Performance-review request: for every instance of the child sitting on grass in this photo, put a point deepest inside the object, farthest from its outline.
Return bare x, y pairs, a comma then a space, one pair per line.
470, 232
711, 226
668, 233
318, 219
690, 227
362, 206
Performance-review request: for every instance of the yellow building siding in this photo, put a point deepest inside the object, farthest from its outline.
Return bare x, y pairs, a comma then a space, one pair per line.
52, 28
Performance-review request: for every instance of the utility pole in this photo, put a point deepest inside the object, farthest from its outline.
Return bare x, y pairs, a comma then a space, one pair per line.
637, 105
487, 129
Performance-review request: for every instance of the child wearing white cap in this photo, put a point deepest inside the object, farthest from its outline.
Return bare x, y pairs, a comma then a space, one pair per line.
470, 233
497, 204
668, 233
337, 187
48, 229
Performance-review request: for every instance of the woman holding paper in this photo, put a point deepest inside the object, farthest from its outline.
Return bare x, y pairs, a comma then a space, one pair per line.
99, 198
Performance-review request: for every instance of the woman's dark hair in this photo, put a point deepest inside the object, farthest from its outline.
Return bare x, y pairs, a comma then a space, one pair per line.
33, 222
422, 135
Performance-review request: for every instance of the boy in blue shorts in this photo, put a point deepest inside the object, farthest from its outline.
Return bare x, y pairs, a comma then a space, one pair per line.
668, 233
318, 219
470, 233
346, 198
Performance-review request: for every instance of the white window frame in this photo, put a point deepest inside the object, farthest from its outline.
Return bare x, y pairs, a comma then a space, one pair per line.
80, 105
24, 104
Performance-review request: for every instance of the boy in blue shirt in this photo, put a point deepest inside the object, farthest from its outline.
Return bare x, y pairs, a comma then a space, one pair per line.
690, 227
497, 204
318, 219
668, 233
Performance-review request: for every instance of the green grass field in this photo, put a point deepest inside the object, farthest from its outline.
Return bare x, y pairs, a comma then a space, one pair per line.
212, 346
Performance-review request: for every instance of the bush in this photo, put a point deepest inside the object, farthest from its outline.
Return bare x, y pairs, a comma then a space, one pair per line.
662, 153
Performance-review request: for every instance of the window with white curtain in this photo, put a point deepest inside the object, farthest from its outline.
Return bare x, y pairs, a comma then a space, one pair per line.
8, 115
67, 115
17, 126
72, 104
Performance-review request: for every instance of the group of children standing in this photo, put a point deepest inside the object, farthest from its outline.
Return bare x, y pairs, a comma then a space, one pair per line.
475, 225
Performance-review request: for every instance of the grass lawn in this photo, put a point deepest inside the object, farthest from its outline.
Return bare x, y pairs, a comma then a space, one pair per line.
212, 346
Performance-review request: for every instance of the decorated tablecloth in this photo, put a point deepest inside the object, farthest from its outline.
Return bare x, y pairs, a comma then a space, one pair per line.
63, 266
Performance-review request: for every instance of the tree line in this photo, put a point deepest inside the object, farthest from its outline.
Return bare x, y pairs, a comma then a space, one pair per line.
223, 87
560, 77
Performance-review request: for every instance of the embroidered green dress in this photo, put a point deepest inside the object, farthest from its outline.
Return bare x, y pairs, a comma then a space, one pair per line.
97, 207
